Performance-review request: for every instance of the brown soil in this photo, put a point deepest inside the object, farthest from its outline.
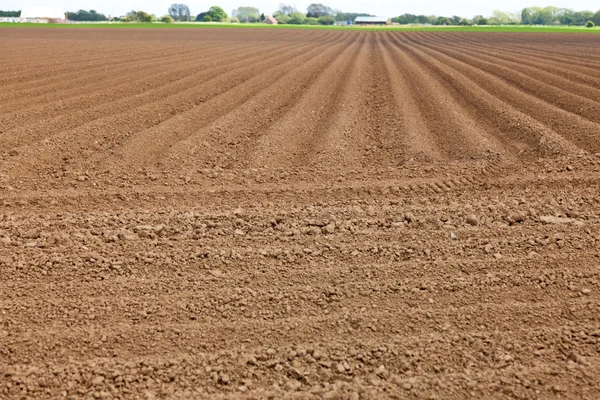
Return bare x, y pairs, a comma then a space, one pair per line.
308, 214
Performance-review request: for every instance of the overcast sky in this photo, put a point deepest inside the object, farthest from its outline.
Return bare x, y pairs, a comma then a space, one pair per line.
384, 8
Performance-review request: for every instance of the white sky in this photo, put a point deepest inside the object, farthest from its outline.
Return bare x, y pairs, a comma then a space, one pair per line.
384, 8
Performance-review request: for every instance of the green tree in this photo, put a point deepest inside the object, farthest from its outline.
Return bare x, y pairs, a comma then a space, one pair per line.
405, 19
167, 19
500, 18
567, 17
297, 18
207, 18
282, 18
142, 16
541, 16
480, 20
317, 10
550, 15
326, 20
442, 21
246, 14
590, 24
580, 18
200, 17
234, 20
139, 16
83, 15
596, 18
528, 15
423, 19
217, 14
10, 14
179, 12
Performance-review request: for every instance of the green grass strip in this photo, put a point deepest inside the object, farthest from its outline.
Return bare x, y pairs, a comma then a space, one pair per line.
516, 28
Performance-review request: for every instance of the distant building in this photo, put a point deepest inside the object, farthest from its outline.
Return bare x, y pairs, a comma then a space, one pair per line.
371, 21
343, 23
270, 20
42, 14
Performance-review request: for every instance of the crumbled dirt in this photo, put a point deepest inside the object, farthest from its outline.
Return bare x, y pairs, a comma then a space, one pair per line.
299, 214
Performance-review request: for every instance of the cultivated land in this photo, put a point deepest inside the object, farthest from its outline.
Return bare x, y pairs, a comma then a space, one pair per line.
309, 214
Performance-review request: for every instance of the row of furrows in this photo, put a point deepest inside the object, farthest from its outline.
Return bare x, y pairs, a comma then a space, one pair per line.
545, 59
575, 97
526, 61
507, 109
482, 106
115, 62
39, 71
285, 140
470, 134
134, 88
290, 139
20, 101
562, 66
63, 88
455, 133
218, 102
218, 84
67, 68
78, 54
560, 134
580, 46
228, 119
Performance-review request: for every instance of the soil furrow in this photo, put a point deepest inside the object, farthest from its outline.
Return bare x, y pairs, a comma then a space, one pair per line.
288, 142
109, 77
118, 96
456, 133
568, 70
573, 127
190, 132
519, 129
273, 103
170, 106
578, 97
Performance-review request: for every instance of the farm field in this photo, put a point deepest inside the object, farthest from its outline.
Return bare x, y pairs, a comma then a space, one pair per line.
239, 213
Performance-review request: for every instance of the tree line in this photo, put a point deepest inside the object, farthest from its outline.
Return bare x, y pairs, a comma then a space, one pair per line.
528, 16
10, 14
318, 13
555, 16
83, 15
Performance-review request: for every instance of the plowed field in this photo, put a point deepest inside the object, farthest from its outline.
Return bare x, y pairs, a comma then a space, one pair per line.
311, 214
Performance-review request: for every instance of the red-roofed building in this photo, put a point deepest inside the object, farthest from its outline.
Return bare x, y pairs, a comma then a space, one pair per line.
270, 20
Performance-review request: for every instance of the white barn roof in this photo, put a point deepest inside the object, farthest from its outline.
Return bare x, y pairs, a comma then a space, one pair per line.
371, 19
42, 12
